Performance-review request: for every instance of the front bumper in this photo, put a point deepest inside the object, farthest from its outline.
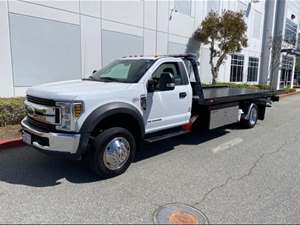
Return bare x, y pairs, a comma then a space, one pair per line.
52, 142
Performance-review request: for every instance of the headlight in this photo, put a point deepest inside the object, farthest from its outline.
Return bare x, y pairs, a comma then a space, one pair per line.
69, 114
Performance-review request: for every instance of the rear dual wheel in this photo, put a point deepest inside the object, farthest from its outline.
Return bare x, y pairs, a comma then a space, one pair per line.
251, 121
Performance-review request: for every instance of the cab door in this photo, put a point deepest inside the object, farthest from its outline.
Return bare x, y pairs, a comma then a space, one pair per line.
169, 108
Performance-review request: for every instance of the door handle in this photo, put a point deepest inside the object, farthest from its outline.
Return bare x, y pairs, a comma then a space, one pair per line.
182, 94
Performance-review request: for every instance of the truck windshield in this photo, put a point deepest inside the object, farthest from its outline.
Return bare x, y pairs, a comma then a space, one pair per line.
127, 71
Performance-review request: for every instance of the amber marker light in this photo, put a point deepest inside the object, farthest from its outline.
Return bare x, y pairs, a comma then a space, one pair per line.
78, 109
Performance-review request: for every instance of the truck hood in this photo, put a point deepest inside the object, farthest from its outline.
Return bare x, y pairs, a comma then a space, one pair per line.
75, 89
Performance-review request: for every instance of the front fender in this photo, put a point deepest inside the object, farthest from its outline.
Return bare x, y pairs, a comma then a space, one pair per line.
104, 112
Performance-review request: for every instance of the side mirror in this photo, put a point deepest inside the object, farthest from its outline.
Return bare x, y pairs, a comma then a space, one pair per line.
151, 86
166, 82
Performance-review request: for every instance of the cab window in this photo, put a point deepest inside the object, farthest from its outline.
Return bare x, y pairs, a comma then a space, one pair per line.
176, 69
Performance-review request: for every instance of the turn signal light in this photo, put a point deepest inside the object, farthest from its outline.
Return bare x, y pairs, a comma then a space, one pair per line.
77, 109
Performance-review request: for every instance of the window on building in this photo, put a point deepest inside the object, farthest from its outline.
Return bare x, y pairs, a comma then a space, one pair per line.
286, 71
287, 62
237, 68
298, 42
252, 69
183, 6
297, 73
213, 5
290, 35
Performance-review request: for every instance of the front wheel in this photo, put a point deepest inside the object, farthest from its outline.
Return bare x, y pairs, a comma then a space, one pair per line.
251, 121
113, 152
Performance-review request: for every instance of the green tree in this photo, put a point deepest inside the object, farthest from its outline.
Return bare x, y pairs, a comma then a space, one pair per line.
225, 34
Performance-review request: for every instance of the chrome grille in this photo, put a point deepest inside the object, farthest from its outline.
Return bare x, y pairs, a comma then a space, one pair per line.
42, 113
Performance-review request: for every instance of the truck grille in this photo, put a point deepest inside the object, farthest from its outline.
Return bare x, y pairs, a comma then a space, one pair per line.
41, 126
42, 113
40, 101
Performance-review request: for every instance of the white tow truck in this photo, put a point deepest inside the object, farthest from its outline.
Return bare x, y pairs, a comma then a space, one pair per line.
109, 115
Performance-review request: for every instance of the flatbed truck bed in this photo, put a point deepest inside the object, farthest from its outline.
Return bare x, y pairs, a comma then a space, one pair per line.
221, 95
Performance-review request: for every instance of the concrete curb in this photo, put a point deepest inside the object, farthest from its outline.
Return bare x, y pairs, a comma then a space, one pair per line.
289, 94
7, 144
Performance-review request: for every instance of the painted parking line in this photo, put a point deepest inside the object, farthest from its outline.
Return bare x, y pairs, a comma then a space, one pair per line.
227, 145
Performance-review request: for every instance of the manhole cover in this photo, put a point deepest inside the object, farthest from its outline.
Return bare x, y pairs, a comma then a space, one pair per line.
176, 213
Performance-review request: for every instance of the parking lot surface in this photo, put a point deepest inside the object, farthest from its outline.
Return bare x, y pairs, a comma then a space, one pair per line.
232, 175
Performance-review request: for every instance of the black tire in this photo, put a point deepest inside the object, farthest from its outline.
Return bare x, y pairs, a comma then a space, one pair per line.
252, 120
96, 157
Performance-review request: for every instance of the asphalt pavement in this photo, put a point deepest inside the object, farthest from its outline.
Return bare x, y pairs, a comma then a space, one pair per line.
232, 175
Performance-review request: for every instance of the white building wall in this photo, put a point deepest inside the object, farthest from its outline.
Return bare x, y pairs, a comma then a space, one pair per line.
6, 74
91, 40
109, 29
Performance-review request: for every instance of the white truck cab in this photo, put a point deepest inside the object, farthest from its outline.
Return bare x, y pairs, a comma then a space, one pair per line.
108, 115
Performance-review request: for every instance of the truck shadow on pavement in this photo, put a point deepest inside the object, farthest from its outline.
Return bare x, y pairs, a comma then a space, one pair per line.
28, 167
195, 138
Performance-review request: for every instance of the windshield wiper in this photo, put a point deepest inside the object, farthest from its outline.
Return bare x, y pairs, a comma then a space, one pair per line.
110, 79
89, 78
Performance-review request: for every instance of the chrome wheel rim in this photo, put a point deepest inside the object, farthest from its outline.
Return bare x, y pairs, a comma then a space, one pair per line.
253, 116
116, 153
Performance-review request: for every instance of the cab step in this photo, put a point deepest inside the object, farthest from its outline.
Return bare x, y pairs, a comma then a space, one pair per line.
158, 136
